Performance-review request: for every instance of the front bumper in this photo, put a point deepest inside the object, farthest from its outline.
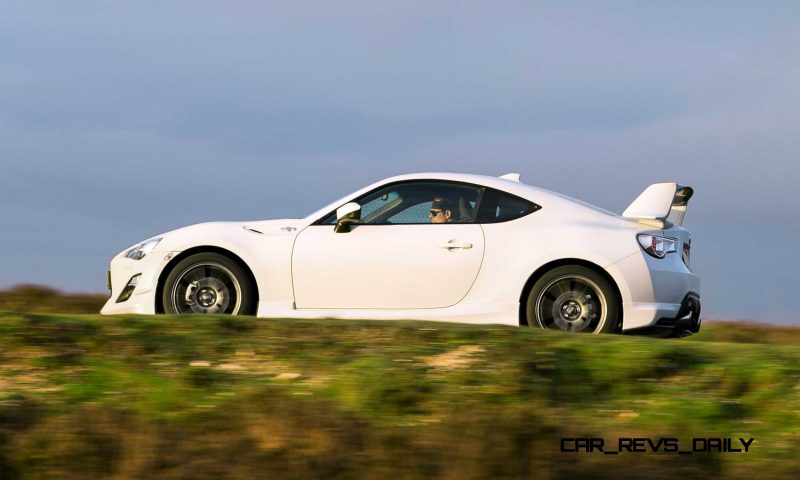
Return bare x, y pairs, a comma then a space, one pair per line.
142, 300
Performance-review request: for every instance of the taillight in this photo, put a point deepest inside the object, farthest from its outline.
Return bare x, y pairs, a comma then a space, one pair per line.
656, 246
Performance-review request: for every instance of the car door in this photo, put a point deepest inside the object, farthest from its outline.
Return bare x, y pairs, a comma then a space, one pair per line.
396, 258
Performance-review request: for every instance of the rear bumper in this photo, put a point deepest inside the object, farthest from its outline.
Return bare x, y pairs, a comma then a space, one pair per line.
654, 290
686, 322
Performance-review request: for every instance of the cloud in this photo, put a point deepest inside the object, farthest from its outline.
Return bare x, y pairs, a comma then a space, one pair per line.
120, 120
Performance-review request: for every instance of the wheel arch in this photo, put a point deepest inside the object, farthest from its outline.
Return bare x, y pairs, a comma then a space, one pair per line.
536, 275
192, 251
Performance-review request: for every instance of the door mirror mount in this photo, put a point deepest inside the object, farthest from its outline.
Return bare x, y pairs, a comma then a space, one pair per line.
347, 215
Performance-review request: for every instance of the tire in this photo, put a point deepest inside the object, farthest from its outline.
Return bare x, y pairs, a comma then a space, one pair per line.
208, 283
573, 298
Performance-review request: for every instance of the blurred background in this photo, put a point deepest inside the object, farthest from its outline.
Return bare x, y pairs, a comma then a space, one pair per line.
121, 120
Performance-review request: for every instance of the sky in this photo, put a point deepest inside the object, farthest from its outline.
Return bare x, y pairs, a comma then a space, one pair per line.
121, 120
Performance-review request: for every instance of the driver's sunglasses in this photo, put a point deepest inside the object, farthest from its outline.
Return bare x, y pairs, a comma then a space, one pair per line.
433, 213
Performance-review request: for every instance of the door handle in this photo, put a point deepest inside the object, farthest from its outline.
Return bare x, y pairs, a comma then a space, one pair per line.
453, 245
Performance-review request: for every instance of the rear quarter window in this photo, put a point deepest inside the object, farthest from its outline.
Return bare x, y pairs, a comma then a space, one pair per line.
497, 206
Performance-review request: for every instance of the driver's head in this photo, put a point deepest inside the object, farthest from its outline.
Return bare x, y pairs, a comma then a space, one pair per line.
441, 210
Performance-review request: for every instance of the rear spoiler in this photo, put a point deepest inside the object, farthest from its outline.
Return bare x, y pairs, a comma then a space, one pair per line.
660, 204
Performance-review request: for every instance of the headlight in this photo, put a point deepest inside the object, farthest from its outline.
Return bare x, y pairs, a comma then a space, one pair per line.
657, 246
139, 251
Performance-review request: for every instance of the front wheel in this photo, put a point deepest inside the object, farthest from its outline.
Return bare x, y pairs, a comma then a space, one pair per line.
208, 283
573, 298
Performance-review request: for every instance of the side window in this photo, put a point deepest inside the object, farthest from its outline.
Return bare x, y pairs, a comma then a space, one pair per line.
497, 206
418, 213
417, 202
379, 203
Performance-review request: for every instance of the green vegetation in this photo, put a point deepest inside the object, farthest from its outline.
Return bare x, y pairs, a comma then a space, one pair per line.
36, 298
84, 396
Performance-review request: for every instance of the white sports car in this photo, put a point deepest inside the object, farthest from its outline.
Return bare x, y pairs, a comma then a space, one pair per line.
433, 246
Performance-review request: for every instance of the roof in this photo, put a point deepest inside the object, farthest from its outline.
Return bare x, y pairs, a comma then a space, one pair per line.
507, 184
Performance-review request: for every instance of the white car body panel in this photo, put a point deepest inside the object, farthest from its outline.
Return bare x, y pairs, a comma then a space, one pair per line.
401, 272
424, 266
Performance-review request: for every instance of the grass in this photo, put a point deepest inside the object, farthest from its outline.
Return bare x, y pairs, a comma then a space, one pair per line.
37, 298
85, 396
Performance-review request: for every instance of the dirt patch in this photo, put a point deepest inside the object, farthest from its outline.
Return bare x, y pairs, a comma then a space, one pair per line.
460, 357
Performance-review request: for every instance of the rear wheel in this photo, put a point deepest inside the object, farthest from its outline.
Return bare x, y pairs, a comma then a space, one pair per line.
573, 298
208, 283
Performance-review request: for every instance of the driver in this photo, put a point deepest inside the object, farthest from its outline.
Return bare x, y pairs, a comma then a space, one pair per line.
441, 210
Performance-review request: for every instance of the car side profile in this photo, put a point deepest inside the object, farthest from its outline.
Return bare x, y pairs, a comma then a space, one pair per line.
433, 246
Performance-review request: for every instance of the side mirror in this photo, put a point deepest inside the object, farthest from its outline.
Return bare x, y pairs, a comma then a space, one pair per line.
346, 215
